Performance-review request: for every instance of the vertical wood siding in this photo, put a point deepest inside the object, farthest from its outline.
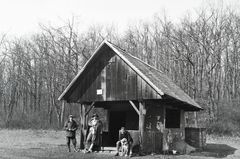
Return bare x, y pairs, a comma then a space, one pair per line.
115, 77
152, 141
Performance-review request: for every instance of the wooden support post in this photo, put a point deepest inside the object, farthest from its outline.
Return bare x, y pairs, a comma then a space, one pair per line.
80, 129
142, 113
84, 116
82, 125
164, 116
165, 146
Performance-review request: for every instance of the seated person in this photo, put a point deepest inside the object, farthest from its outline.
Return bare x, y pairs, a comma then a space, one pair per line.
124, 147
123, 137
95, 131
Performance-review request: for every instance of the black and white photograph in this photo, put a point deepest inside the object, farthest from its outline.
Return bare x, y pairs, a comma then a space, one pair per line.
114, 79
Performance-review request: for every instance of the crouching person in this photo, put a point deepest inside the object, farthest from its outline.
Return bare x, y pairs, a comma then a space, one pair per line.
124, 143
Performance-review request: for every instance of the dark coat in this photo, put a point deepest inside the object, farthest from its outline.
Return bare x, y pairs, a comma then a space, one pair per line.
126, 135
98, 129
70, 128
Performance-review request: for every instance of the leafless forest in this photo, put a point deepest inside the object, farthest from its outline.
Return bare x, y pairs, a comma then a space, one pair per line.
202, 56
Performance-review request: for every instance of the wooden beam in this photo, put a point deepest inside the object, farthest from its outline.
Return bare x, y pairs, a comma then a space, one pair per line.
92, 105
151, 103
134, 107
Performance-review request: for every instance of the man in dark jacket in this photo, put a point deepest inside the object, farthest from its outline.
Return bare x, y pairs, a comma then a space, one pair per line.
124, 134
71, 127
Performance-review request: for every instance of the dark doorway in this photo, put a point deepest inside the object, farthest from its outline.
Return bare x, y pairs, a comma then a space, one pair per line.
117, 120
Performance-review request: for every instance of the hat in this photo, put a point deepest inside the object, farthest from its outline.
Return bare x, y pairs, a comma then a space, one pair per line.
70, 116
95, 115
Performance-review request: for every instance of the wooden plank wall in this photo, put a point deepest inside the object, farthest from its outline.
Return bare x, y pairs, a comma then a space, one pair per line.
152, 141
115, 77
135, 135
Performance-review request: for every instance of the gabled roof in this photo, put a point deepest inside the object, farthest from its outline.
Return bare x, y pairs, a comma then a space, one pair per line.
155, 78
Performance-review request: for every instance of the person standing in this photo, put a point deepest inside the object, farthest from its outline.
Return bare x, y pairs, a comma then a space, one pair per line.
71, 126
94, 135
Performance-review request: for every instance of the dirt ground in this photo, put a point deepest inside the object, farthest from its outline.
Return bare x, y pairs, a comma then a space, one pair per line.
50, 144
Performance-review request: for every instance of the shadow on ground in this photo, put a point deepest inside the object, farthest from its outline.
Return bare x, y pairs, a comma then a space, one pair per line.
215, 150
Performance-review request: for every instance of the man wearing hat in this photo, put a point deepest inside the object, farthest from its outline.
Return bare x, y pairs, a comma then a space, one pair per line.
71, 126
95, 131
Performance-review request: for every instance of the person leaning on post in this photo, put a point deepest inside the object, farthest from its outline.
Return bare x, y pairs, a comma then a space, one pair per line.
95, 132
71, 126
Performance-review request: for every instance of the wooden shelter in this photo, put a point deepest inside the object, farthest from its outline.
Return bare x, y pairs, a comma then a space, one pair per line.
133, 94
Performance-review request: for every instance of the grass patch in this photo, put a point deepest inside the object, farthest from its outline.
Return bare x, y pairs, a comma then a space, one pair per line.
31, 138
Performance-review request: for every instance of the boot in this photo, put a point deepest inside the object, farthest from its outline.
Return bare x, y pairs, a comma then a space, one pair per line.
69, 149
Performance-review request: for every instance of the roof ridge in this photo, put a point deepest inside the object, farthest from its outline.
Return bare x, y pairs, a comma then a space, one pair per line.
116, 46
145, 63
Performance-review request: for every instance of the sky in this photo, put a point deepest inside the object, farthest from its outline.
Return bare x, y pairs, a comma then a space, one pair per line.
22, 17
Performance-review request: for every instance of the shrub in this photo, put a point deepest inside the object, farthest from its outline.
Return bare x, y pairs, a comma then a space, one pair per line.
227, 120
223, 128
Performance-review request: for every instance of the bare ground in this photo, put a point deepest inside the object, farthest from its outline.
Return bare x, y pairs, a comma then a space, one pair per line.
50, 144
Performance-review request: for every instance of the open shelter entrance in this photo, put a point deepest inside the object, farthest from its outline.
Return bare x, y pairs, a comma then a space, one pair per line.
117, 120
113, 115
